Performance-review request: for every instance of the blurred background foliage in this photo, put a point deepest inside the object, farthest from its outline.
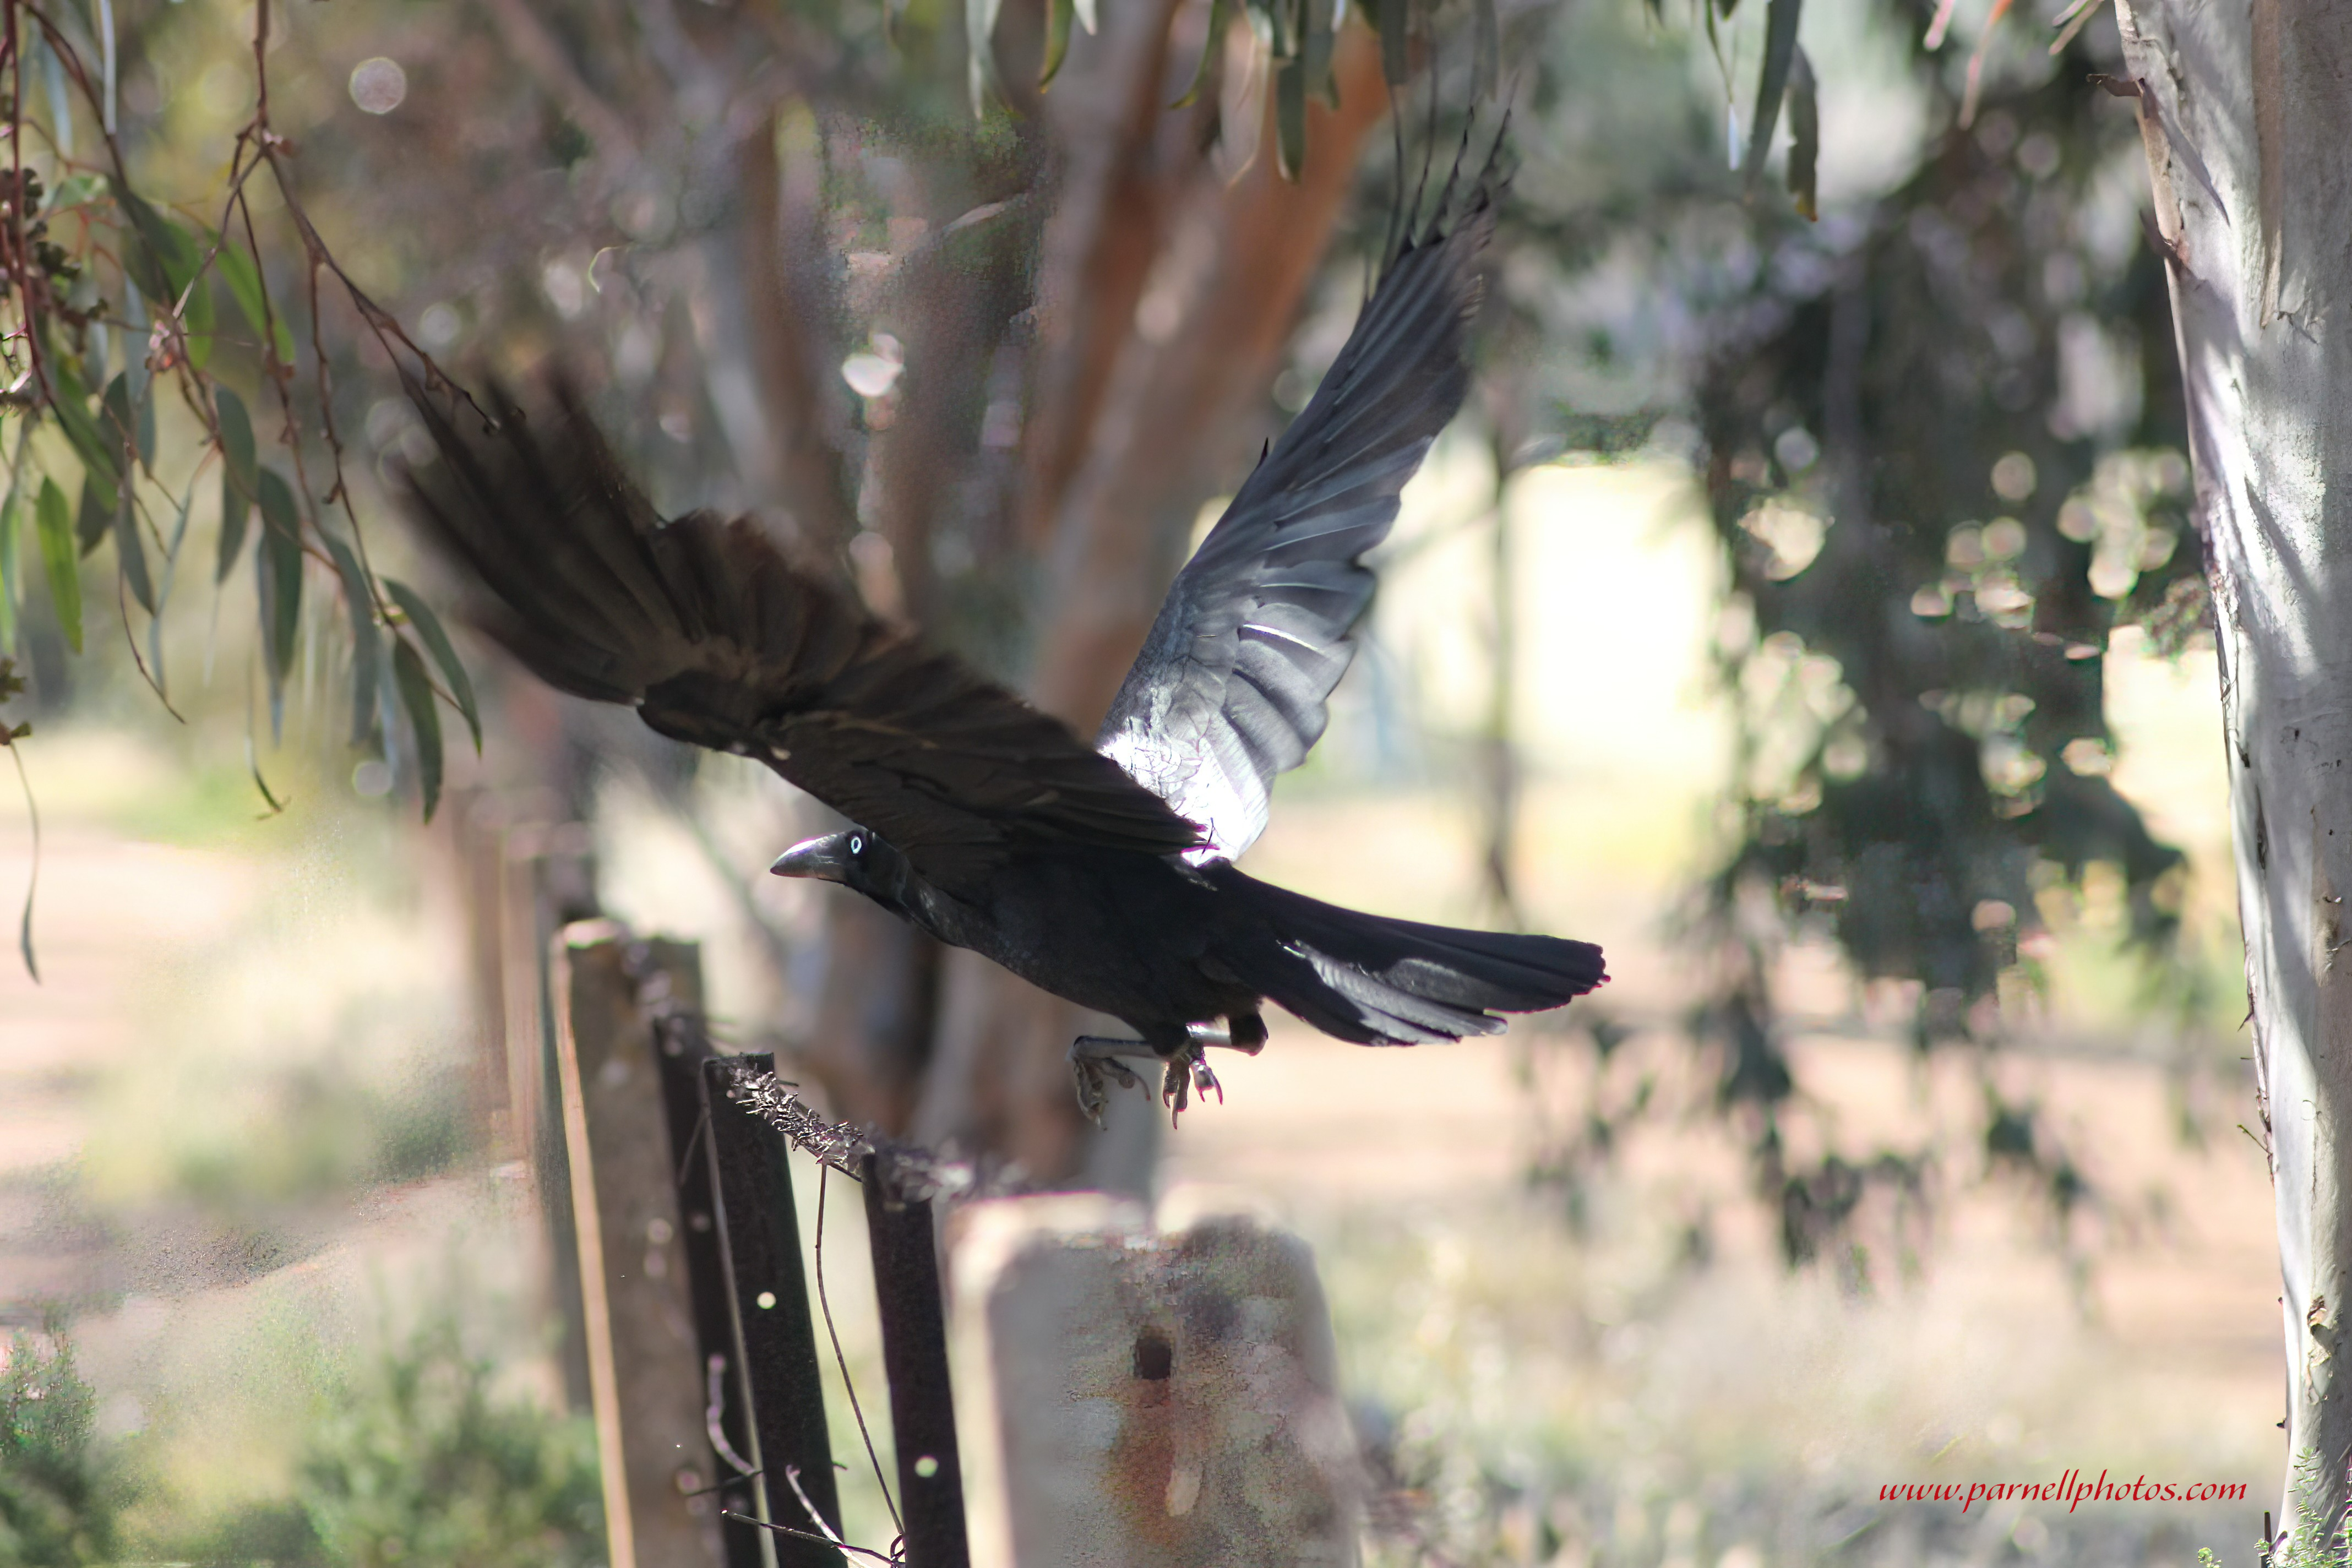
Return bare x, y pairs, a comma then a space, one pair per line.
414, 1455
987, 349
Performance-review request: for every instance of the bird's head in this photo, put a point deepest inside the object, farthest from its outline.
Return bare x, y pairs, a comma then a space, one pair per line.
852, 858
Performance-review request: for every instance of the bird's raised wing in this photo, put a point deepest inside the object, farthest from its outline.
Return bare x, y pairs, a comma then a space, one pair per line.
1229, 690
717, 638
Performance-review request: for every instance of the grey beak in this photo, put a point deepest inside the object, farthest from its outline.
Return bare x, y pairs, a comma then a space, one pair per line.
825, 858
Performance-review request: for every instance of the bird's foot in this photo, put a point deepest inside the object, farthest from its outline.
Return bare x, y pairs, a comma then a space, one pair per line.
1176, 1087
1189, 1074
1204, 1082
1095, 1063
1098, 1063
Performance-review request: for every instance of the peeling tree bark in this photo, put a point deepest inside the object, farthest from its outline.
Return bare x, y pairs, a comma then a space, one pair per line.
2247, 114
1127, 426
1162, 440
793, 345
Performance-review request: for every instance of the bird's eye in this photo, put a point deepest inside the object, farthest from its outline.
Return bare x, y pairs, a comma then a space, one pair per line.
856, 845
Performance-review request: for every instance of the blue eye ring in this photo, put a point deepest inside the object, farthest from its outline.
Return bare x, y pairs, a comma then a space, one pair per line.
856, 844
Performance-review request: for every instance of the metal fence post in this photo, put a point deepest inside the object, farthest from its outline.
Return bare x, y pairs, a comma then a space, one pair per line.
915, 1356
759, 1233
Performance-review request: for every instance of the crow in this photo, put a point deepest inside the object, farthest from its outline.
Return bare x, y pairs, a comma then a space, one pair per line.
1104, 875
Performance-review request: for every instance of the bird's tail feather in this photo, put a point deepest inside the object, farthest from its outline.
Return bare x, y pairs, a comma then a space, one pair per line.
1382, 982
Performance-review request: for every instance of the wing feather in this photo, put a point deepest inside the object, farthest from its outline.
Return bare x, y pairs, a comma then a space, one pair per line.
1231, 685
715, 638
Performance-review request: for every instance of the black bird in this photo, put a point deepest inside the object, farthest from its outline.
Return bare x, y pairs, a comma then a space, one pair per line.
1103, 876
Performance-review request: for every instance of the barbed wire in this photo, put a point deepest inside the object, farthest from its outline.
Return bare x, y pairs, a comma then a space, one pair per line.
910, 1171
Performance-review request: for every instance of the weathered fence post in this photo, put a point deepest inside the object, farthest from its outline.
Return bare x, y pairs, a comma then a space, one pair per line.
915, 1358
684, 1048
760, 1239
1148, 1400
646, 1373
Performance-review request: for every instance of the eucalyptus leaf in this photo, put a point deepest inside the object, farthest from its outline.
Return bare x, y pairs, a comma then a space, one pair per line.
1315, 52
279, 562
243, 280
1805, 137
235, 509
101, 459
12, 588
1211, 51
119, 426
197, 322
170, 575
73, 191
1290, 116
980, 47
367, 643
31, 883
1779, 52
131, 550
1059, 14
437, 642
239, 481
94, 519
236, 439
165, 261
51, 521
416, 696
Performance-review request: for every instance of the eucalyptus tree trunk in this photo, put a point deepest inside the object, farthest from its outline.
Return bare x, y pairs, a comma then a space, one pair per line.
2247, 114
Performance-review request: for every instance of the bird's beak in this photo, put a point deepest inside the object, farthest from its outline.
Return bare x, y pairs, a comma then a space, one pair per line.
826, 858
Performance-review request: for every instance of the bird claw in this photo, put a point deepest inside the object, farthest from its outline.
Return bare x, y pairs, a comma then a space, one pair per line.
1204, 1082
1176, 1088
1095, 1077
1096, 1065
1188, 1074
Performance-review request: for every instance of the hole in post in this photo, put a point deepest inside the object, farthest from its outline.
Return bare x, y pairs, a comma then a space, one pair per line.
1154, 1357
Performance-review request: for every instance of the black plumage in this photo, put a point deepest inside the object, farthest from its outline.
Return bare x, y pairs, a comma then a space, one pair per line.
1103, 876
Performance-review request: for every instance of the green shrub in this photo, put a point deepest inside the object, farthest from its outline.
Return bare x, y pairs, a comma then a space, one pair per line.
60, 1488
424, 1465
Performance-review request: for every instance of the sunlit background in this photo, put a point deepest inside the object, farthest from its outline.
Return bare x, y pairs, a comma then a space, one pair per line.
248, 1175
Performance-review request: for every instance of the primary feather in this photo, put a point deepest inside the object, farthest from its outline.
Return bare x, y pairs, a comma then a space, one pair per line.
715, 638
1231, 686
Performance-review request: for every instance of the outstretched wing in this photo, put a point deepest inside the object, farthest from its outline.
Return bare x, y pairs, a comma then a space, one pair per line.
1230, 687
715, 638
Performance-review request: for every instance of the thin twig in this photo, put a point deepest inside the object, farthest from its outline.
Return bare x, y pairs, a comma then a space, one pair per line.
714, 1414
805, 1535
32, 882
793, 1479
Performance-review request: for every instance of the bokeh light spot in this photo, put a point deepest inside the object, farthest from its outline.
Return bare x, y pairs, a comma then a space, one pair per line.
378, 85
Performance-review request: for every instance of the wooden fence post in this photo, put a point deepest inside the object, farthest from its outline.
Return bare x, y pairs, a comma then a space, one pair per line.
760, 1238
646, 1372
915, 1359
1149, 1401
684, 1048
